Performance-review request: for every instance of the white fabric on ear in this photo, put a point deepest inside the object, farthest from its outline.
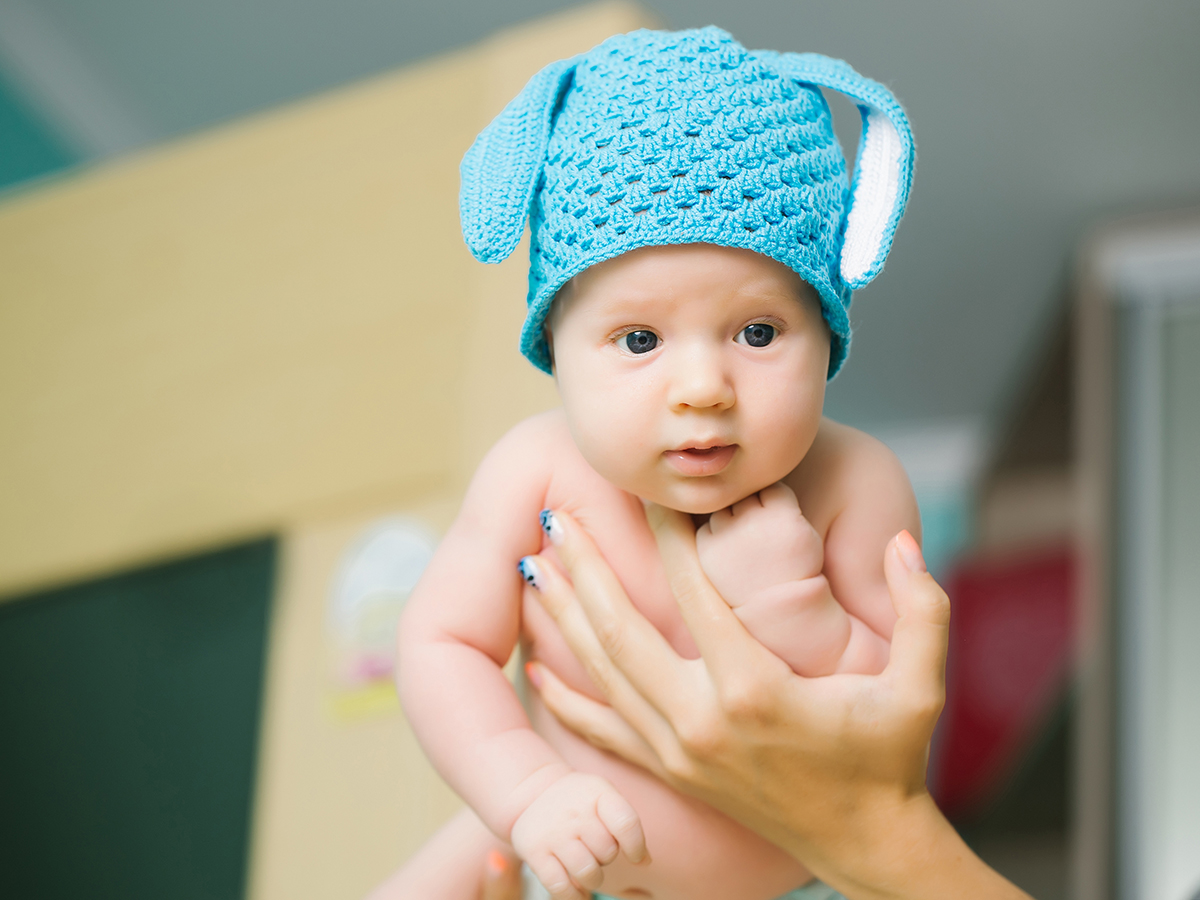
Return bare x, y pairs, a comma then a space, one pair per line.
873, 203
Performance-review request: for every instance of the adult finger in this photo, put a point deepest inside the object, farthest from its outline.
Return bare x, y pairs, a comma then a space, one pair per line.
628, 733
723, 642
558, 597
502, 877
922, 632
629, 641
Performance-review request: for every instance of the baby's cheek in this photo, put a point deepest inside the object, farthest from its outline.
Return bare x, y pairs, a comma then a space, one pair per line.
614, 452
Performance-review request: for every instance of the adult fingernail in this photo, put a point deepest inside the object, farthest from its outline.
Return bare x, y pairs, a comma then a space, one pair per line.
550, 525
910, 552
534, 673
496, 862
529, 570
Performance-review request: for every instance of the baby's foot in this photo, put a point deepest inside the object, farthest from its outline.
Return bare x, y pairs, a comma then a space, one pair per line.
758, 544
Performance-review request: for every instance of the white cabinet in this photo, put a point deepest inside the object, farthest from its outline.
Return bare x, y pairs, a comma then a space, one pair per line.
1139, 389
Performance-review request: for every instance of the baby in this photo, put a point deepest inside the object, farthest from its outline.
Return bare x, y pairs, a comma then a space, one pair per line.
694, 246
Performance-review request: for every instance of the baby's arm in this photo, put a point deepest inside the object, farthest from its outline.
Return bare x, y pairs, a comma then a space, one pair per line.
771, 565
876, 502
766, 560
459, 628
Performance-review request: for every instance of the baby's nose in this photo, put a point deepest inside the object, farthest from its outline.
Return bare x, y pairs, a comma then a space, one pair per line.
700, 381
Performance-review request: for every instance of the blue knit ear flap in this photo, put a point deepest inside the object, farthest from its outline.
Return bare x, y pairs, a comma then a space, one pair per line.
501, 170
883, 172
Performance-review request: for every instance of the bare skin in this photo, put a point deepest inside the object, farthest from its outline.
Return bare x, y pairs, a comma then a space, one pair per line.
704, 419
832, 769
881, 810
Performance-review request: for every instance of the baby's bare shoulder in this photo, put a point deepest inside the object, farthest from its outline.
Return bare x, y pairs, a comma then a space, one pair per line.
863, 499
859, 455
847, 468
528, 445
515, 472
542, 429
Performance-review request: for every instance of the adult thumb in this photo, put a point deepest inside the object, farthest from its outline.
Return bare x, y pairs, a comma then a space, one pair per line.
922, 633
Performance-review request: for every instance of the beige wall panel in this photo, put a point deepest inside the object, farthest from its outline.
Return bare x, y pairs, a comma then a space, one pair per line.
210, 339
340, 801
245, 328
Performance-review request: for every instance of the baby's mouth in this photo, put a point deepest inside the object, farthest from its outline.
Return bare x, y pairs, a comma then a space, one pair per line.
700, 461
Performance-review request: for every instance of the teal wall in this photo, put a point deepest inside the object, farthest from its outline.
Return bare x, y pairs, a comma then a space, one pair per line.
27, 147
129, 719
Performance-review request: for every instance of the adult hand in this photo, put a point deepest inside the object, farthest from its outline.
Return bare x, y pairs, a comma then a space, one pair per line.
501, 877
462, 859
831, 769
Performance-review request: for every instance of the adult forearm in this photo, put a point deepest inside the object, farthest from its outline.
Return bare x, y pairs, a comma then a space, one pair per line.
903, 850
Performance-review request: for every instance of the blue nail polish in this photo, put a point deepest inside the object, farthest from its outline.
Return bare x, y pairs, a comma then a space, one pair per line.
529, 571
550, 525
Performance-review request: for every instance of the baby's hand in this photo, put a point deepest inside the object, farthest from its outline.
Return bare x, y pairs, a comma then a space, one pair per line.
577, 825
759, 543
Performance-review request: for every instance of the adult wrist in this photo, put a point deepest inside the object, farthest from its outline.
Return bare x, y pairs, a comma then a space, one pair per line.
905, 849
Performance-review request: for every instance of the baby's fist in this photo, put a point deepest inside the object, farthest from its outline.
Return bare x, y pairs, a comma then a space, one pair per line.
575, 827
758, 543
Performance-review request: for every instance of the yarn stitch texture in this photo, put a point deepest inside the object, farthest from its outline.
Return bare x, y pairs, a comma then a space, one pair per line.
655, 138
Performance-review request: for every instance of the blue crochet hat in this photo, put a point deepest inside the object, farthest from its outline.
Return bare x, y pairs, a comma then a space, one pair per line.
684, 137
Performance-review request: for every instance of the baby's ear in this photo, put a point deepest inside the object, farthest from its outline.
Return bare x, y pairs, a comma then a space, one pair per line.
500, 172
883, 171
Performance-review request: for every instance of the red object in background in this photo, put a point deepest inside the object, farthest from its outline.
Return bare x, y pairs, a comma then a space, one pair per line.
1012, 627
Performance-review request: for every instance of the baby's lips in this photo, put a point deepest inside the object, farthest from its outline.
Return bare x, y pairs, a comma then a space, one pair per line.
698, 462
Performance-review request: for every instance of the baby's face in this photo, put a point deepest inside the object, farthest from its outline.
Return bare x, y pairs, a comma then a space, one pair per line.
691, 375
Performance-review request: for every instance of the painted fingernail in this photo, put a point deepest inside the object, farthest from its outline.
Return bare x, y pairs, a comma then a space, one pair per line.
550, 525
496, 862
534, 673
910, 552
529, 570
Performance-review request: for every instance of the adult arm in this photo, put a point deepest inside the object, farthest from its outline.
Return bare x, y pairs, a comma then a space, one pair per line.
831, 769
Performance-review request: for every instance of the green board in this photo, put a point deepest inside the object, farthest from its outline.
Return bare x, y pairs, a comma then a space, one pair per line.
129, 718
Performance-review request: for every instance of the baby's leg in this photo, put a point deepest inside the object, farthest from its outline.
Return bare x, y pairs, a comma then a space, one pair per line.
449, 866
765, 559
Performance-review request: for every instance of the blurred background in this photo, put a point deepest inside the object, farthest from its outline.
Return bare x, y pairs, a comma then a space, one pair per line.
232, 427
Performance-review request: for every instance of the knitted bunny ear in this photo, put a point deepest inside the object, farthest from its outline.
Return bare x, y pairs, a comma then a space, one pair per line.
501, 170
883, 172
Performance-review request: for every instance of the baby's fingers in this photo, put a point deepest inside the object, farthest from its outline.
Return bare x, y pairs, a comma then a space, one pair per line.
581, 865
554, 878
602, 845
778, 494
623, 824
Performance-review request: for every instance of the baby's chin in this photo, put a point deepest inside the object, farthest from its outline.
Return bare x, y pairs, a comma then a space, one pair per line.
696, 498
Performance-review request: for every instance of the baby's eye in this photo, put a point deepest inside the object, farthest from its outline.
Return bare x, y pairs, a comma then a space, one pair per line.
757, 335
640, 341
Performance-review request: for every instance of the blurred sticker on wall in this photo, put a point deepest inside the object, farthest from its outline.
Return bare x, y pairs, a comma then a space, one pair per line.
369, 589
